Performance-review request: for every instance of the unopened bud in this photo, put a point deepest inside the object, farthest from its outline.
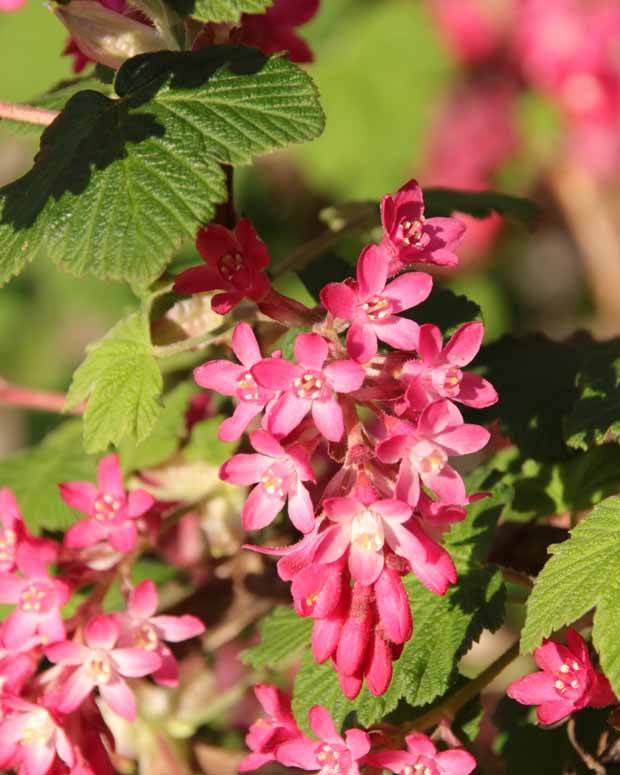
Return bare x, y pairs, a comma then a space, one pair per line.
105, 36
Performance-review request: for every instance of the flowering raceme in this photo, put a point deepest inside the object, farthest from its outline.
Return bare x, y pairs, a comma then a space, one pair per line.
376, 403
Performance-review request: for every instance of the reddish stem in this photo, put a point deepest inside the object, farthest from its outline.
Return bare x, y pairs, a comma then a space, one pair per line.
27, 114
39, 400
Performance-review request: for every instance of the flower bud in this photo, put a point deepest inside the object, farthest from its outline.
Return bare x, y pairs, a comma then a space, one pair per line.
105, 36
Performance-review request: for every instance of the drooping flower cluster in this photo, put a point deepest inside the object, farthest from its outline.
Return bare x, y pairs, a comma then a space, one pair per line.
357, 432
278, 738
567, 681
49, 720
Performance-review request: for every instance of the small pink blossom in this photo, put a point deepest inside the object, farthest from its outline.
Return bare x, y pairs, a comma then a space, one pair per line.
100, 664
231, 379
308, 386
267, 734
332, 754
140, 628
38, 597
366, 529
112, 511
32, 739
12, 529
274, 31
566, 682
234, 263
410, 237
422, 756
11, 5
437, 373
278, 473
424, 451
373, 307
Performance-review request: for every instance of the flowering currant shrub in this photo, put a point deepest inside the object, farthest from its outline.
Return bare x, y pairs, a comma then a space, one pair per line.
304, 501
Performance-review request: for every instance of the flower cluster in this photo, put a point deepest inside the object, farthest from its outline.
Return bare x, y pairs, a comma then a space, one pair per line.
278, 738
354, 434
49, 719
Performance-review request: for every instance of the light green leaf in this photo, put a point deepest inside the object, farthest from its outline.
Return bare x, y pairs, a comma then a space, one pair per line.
163, 441
121, 379
119, 184
205, 446
283, 635
582, 573
226, 10
444, 629
34, 475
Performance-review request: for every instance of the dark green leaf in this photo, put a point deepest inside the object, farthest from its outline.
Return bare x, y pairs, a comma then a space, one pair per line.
480, 204
445, 309
119, 184
34, 475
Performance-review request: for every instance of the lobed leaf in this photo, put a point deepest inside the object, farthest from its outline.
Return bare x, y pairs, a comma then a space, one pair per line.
120, 183
121, 380
283, 635
225, 10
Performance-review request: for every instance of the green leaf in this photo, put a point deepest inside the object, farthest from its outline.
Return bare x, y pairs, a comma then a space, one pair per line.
582, 573
535, 378
286, 342
34, 475
445, 309
595, 417
226, 10
444, 629
119, 184
480, 204
163, 441
204, 444
121, 379
283, 635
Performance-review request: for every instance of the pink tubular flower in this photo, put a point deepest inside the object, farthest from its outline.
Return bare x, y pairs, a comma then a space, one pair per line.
38, 596
278, 473
32, 739
410, 237
437, 373
309, 386
424, 451
366, 528
567, 681
234, 263
274, 31
231, 379
332, 754
98, 664
111, 509
267, 734
141, 629
422, 756
373, 306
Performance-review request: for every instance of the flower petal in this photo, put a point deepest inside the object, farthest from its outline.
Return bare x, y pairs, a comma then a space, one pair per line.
245, 346
135, 663
400, 333
143, 600
261, 509
233, 427
138, 503
430, 343
275, 373
124, 537
533, 689
110, 476
79, 495
221, 376
118, 696
408, 290
311, 351
372, 271
101, 632
178, 628
464, 344
340, 300
322, 725
345, 376
327, 416
245, 469
361, 341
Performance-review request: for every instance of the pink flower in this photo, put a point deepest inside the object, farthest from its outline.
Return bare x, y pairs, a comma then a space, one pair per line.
279, 473
412, 238
38, 596
98, 664
332, 753
266, 735
31, 738
366, 529
11, 5
373, 307
567, 681
437, 373
234, 263
308, 387
141, 629
392, 603
473, 28
274, 31
12, 529
424, 451
111, 509
422, 756
231, 379
318, 589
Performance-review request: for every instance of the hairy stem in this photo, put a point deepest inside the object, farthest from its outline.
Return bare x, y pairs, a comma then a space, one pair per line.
460, 697
39, 400
27, 114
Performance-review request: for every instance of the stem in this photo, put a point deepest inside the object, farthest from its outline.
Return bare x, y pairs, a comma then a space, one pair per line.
186, 345
589, 760
521, 579
27, 114
458, 699
40, 400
